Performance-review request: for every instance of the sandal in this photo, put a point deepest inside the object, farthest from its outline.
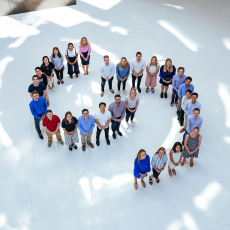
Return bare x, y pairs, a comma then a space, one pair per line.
87, 72
182, 163
62, 82
191, 164
150, 181
170, 172
158, 181
136, 186
143, 184
174, 172
59, 83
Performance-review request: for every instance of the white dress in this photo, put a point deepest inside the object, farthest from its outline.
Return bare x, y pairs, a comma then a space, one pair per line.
176, 158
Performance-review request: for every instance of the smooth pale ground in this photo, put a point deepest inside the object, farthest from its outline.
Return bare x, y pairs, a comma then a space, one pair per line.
55, 189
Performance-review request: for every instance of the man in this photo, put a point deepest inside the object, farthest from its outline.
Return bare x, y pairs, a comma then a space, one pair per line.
102, 119
117, 110
107, 70
43, 79
38, 108
51, 125
86, 124
191, 104
137, 66
184, 87
178, 79
193, 121
39, 87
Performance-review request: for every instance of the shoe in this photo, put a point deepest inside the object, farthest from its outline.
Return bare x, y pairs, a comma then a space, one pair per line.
119, 133
132, 123
48, 103
182, 130
53, 89
166, 95
59, 83
191, 164
70, 147
91, 145
135, 186
62, 82
139, 89
118, 92
124, 91
61, 142
111, 90
176, 103
147, 90
152, 90
76, 75
114, 136
182, 163
170, 172
143, 184
172, 104
127, 125
49, 91
49, 144
83, 147
108, 141
174, 172
161, 95
40, 136
75, 146
71, 77
102, 94
97, 142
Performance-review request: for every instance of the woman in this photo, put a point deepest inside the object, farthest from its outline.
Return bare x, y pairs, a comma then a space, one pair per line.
141, 167
123, 71
152, 70
192, 144
175, 157
69, 125
71, 55
167, 71
48, 69
131, 103
158, 163
58, 60
84, 50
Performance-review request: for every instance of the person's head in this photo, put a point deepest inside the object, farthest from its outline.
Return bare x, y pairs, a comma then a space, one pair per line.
35, 79
188, 93
133, 92
102, 106
45, 60
38, 71
124, 63
194, 97
177, 147
68, 117
188, 80
83, 42
196, 113
141, 155
153, 61
138, 56
180, 71
117, 99
161, 151
56, 52
70, 46
35, 95
168, 65
196, 131
106, 59
85, 113
49, 114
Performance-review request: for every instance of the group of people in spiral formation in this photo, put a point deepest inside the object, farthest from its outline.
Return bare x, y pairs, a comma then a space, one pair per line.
183, 97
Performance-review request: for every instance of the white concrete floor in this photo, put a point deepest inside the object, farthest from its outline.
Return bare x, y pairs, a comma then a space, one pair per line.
45, 188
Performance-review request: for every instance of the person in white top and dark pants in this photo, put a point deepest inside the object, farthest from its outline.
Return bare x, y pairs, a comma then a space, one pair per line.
107, 70
102, 119
137, 66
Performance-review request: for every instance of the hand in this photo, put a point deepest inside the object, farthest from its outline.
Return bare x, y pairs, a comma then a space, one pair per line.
137, 75
70, 63
151, 77
119, 120
107, 78
43, 116
102, 127
57, 69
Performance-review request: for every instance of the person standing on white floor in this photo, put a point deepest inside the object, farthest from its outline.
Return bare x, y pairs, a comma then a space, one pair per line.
131, 103
192, 104
107, 70
137, 66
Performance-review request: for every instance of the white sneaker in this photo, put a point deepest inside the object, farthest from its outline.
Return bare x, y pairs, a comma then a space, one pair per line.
132, 123
125, 92
53, 89
49, 90
118, 92
127, 125
102, 94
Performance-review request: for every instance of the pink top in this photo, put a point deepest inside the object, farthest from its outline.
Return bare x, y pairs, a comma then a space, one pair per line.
85, 49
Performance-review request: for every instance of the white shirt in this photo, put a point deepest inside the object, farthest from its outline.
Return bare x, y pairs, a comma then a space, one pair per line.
107, 70
102, 118
72, 53
184, 99
153, 69
138, 66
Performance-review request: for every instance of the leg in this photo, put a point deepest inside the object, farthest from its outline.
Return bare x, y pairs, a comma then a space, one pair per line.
173, 95
50, 137
176, 97
135, 183
139, 81
113, 125
170, 171
132, 115
185, 120
102, 84
185, 133
127, 115
98, 133
110, 82
57, 72
179, 103
118, 85
58, 135
52, 81
87, 68
76, 68
117, 125
83, 141
61, 73
162, 88
133, 80
107, 133
70, 69
166, 89
37, 125
88, 139
124, 84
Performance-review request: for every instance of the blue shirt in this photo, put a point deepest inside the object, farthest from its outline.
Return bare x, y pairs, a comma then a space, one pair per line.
38, 107
85, 126
192, 123
189, 106
182, 90
159, 162
40, 88
177, 81
143, 166
122, 72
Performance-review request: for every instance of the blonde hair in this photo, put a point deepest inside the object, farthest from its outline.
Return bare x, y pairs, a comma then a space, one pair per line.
165, 66
139, 154
126, 65
81, 42
134, 90
161, 148
151, 61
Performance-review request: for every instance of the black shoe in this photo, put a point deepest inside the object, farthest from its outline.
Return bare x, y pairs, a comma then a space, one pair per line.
40, 136
147, 90
114, 136
97, 142
70, 147
139, 89
161, 95
108, 141
166, 95
119, 133
75, 146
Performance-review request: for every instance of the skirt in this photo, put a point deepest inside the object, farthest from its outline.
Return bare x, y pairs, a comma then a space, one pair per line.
69, 140
83, 62
194, 155
163, 83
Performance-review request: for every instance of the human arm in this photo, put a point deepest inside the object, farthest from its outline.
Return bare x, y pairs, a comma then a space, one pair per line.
80, 51
62, 61
163, 167
186, 108
31, 95
198, 146
33, 112
171, 157
188, 128
66, 56
123, 112
186, 143
76, 58
102, 71
58, 126
136, 167
92, 125
45, 105
47, 130
118, 72
112, 71
66, 132
137, 103
111, 111
89, 49
80, 126
107, 123
180, 91
174, 83
181, 156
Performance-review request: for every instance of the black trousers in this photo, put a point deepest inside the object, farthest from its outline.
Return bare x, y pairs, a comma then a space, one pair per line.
98, 133
138, 80
155, 173
103, 80
129, 114
37, 125
181, 117
59, 73
119, 84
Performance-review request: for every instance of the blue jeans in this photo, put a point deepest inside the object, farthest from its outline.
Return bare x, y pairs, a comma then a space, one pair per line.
185, 133
115, 125
174, 96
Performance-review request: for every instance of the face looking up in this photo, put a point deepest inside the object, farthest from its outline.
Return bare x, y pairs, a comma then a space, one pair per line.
187, 82
56, 52
69, 117
70, 47
194, 98
188, 95
138, 57
196, 114
46, 61
154, 61
195, 132
168, 63
161, 153
117, 100
35, 80
36, 96
180, 72
102, 108
106, 60
142, 155
85, 114
49, 115
123, 62
178, 149
38, 72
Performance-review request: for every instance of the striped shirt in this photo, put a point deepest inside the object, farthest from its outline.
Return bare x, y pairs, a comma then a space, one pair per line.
159, 162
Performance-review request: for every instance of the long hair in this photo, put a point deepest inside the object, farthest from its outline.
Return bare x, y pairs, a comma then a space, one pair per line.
161, 148
151, 61
175, 145
65, 119
81, 42
126, 65
43, 63
139, 154
165, 66
59, 54
133, 89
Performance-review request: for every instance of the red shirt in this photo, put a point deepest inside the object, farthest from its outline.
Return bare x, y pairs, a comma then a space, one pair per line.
51, 125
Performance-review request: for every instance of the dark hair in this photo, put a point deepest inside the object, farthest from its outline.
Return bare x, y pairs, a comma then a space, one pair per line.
180, 68
189, 90
38, 68
188, 78
175, 145
106, 56
34, 77
69, 45
196, 94
65, 119
59, 54
49, 111
85, 110
196, 109
117, 95
35, 92
138, 53
43, 64
102, 103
